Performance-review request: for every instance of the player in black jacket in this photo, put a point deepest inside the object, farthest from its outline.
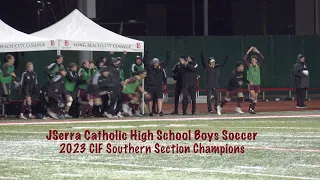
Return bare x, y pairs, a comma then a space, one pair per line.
301, 79
234, 88
114, 86
52, 68
28, 87
189, 82
177, 74
213, 79
71, 80
96, 89
155, 79
56, 91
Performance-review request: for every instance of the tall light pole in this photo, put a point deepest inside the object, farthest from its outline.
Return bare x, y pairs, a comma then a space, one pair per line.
193, 19
205, 18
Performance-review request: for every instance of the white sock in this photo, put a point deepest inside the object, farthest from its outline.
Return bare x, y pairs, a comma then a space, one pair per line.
21, 114
30, 114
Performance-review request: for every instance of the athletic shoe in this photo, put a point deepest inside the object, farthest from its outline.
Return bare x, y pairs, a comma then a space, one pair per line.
22, 117
138, 114
184, 113
175, 112
193, 113
31, 116
130, 111
251, 111
219, 109
210, 111
46, 118
238, 110
109, 115
150, 114
52, 114
119, 115
299, 107
161, 113
67, 116
304, 106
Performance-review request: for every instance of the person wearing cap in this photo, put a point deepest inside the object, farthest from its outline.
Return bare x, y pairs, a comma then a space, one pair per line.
137, 66
114, 86
213, 79
253, 76
189, 83
154, 80
70, 80
236, 81
301, 79
56, 91
52, 68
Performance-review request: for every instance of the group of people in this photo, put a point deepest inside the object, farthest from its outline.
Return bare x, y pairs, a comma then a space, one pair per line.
100, 89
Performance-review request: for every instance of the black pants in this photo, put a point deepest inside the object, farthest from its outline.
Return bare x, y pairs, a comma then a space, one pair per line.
115, 101
177, 93
215, 92
192, 92
301, 96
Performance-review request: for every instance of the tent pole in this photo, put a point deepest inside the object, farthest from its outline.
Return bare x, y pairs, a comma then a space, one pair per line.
143, 103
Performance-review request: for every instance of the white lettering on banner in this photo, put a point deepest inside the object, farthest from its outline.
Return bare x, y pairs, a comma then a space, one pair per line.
16, 46
101, 45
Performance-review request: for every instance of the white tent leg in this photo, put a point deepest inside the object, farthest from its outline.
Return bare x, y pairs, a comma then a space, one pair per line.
143, 104
58, 52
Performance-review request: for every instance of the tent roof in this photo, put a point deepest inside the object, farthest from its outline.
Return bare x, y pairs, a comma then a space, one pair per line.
77, 32
12, 40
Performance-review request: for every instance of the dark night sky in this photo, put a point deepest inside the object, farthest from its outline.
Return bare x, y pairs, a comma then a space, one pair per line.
168, 17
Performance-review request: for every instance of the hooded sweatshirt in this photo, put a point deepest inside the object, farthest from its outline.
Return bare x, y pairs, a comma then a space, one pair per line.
301, 73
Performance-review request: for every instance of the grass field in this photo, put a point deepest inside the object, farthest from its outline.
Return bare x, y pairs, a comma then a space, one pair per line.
286, 147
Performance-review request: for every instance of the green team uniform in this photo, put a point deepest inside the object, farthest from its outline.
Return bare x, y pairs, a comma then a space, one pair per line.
6, 73
52, 69
84, 75
121, 74
131, 88
70, 81
135, 68
253, 74
95, 70
70, 86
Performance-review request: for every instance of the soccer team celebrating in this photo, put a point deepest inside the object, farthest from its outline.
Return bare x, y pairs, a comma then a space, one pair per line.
100, 89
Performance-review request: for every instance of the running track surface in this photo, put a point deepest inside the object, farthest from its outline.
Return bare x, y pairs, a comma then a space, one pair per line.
261, 106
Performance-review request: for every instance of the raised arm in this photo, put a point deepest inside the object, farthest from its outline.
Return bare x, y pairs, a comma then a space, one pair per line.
124, 54
192, 67
145, 60
261, 56
166, 60
203, 61
224, 61
245, 57
109, 60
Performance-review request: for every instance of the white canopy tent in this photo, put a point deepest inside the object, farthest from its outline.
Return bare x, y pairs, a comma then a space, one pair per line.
12, 40
76, 32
